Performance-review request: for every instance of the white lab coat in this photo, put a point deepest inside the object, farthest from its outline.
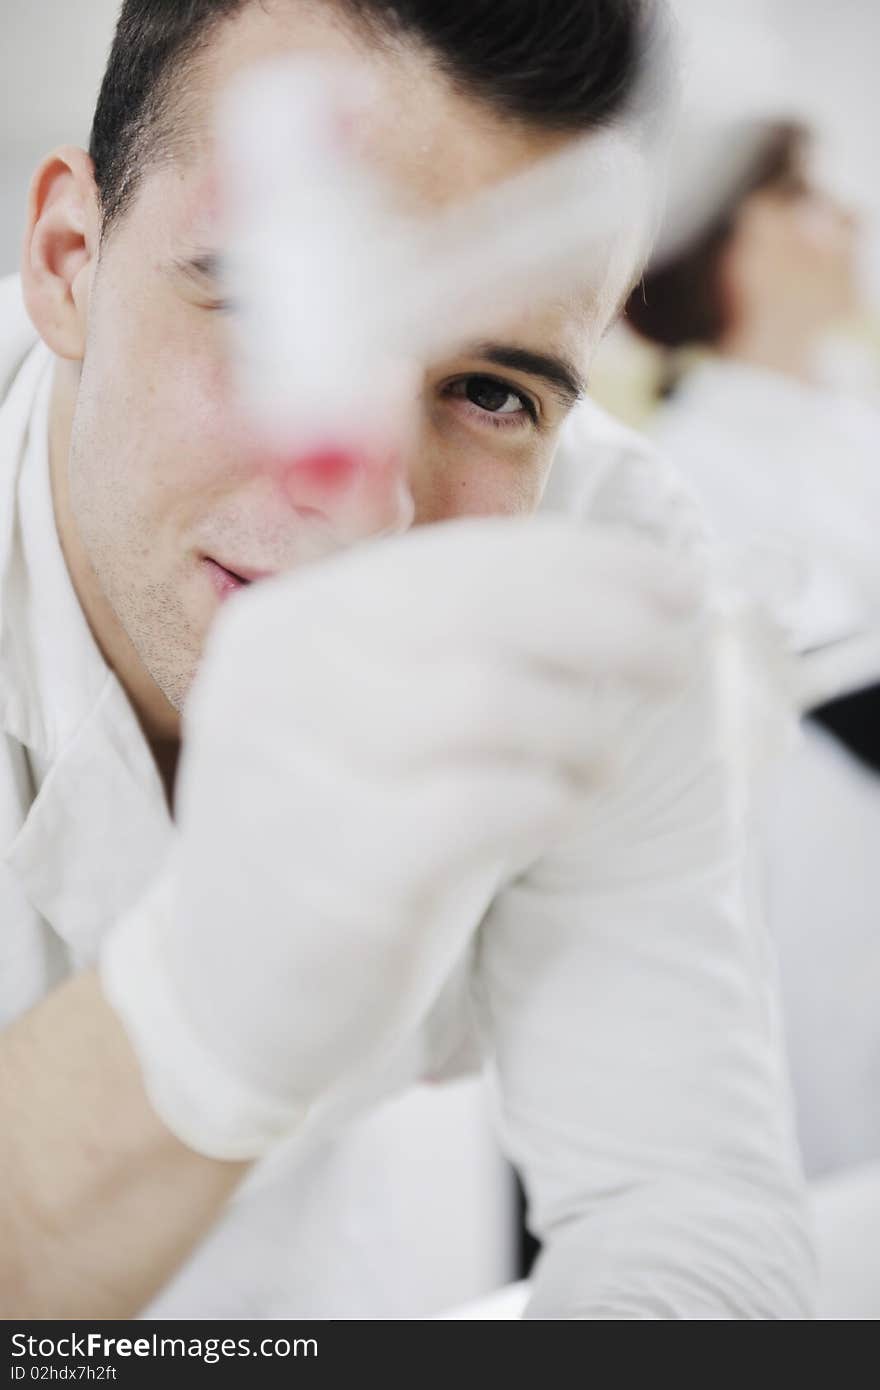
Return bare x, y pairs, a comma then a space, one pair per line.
789, 477
620, 989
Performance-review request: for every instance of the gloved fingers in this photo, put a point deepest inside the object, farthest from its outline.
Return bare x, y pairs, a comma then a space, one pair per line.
514, 809
471, 713
503, 582
534, 586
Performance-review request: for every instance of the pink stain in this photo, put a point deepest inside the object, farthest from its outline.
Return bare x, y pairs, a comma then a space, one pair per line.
333, 469
354, 489
327, 481
327, 470
322, 472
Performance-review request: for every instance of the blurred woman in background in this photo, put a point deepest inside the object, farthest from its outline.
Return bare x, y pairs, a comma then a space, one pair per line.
786, 468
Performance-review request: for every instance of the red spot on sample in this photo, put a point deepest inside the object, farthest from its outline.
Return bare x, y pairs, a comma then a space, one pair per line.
356, 489
331, 469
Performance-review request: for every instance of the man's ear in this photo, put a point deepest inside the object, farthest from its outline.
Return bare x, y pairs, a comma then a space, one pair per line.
61, 249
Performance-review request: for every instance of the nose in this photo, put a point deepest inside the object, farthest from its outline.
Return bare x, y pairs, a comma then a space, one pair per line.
357, 491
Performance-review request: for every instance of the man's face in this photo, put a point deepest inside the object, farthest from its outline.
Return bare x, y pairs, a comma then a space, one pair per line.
163, 489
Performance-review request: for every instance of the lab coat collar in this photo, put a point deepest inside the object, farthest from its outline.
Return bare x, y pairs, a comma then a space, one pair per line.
98, 827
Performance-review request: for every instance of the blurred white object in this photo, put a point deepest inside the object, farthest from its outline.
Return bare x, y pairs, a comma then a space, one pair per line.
341, 299
790, 471
314, 258
788, 476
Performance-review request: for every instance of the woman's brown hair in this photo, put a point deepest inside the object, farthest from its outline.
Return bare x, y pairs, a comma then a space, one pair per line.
681, 302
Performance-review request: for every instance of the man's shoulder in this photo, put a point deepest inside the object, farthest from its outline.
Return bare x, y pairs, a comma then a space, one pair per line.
606, 471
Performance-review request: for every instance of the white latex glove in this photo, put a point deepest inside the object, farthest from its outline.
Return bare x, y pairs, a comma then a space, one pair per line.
367, 741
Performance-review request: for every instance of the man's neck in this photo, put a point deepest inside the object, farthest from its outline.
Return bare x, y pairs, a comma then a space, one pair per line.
158, 718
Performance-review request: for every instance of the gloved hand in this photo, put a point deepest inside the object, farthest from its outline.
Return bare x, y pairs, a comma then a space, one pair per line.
367, 741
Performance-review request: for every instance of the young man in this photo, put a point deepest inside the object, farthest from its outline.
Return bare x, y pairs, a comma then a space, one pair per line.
436, 802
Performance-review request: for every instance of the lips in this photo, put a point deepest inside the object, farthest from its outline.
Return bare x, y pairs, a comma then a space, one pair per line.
227, 581
244, 573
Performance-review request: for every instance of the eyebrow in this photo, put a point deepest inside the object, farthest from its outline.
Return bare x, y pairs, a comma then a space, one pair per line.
559, 373
204, 265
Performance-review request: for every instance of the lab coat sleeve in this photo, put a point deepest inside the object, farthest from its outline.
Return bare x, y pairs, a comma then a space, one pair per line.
627, 994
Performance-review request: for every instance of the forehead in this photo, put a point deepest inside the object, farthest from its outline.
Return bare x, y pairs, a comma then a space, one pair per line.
431, 142
433, 145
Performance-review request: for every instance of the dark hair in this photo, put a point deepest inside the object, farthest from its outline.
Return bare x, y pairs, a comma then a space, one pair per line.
565, 65
681, 302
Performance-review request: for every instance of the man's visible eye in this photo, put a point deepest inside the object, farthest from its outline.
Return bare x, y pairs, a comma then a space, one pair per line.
494, 398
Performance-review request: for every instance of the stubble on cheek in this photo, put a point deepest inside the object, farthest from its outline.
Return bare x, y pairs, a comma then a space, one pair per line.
126, 533
150, 447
